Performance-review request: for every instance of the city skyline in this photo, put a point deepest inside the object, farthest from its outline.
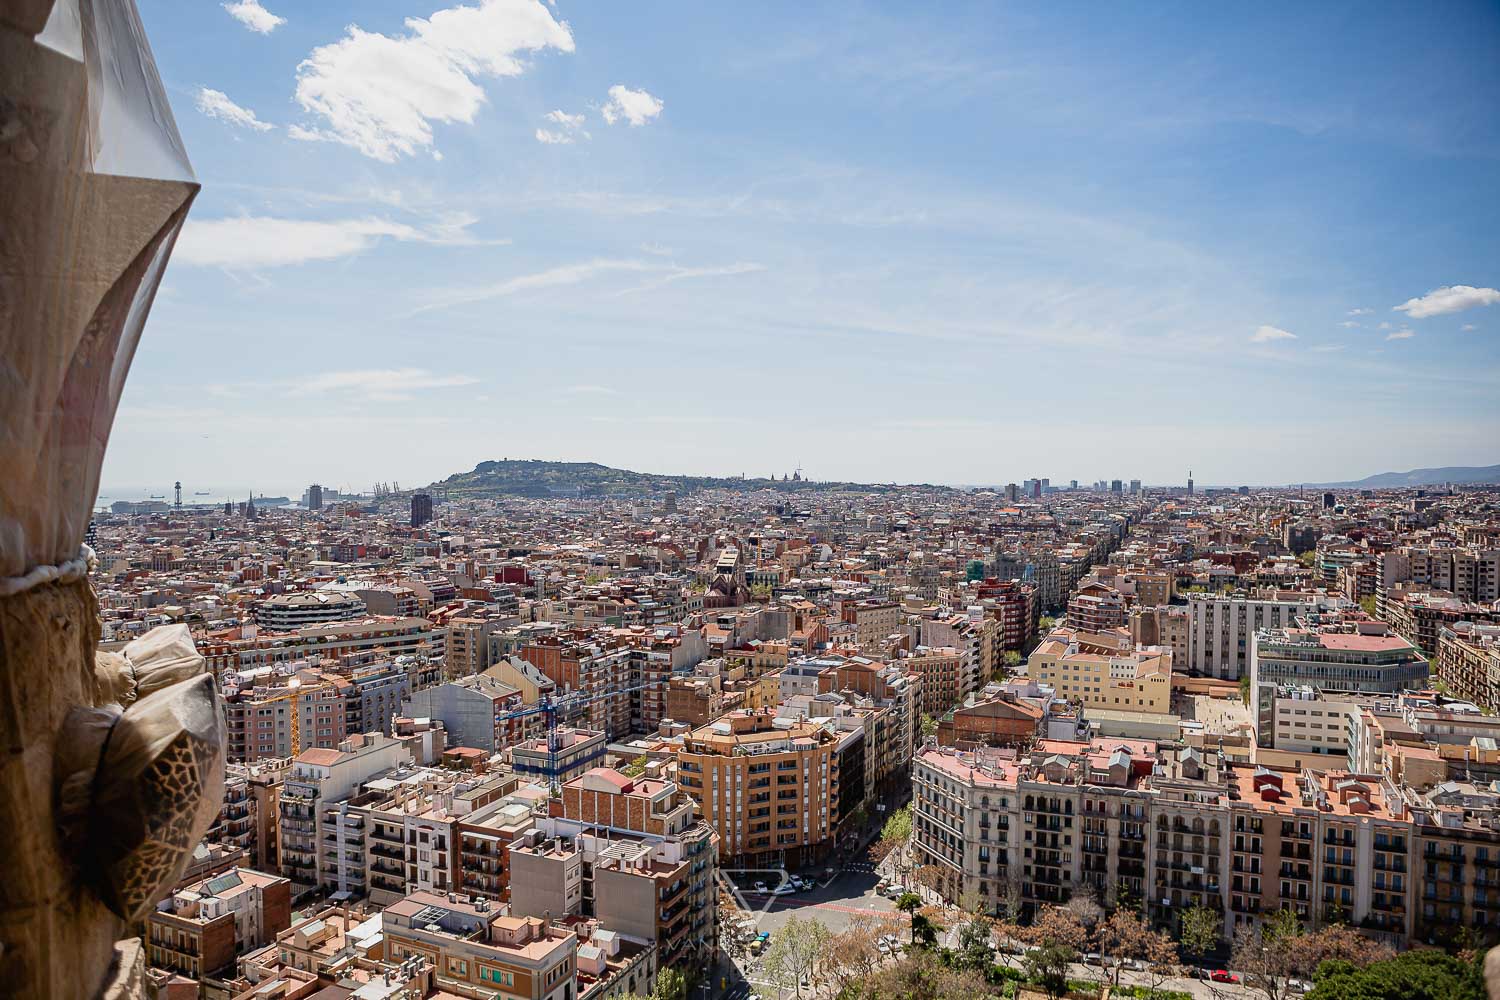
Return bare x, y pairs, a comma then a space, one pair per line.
957, 247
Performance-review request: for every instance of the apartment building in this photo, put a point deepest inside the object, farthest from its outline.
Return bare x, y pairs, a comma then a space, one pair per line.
1221, 629
1456, 863
892, 700
374, 693
284, 715
1468, 662
1301, 719
1420, 613
1469, 573
695, 701
289, 612
1172, 827
472, 945
873, 621
201, 928
475, 712
942, 671
1097, 607
558, 756
1104, 670
312, 807
1013, 605
651, 862
485, 836
770, 790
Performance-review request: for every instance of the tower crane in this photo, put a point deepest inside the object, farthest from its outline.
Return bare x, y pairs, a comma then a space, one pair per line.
548, 707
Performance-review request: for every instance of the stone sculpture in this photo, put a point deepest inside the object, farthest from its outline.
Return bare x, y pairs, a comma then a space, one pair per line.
111, 767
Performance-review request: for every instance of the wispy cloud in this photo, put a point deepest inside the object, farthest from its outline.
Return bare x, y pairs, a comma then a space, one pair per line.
1328, 348
573, 274
253, 16
592, 390
1360, 312
1468, 328
1270, 334
567, 274
251, 242
383, 384
674, 274
636, 107
1400, 335
1449, 299
381, 94
216, 104
1349, 324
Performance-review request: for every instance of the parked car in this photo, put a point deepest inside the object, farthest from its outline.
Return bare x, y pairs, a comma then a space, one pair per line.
786, 888
760, 887
884, 946
1223, 976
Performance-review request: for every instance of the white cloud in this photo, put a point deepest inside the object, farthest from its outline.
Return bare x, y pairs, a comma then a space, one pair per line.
249, 242
634, 106
1348, 324
380, 94
1449, 299
385, 384
253, 16
1328, 348
1468, 328
216, 104
569, 131
1360, 312
1400, 335
1268, 334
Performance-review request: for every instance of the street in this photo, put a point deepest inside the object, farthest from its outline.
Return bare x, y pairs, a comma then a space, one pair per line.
849, 892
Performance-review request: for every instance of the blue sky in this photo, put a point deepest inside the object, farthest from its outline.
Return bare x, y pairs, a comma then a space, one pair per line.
969, 243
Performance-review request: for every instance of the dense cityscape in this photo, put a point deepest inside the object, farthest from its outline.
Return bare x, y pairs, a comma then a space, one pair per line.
762, 645
579, 746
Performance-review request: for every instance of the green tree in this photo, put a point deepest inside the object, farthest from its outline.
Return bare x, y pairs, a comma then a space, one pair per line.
929, 727
635, 768
1245, 689
909, 903
1047, 623
1414, 975
1012, 658
795, 952
976, 949
1048, 965
894, 835
670, 985
1369, 606
1199, 930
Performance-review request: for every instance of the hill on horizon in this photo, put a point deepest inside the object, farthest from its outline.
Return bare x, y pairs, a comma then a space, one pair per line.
539, 478
1468, 474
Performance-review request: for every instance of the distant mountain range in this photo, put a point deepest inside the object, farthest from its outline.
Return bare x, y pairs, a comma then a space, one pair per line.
1424, 477
534, 478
